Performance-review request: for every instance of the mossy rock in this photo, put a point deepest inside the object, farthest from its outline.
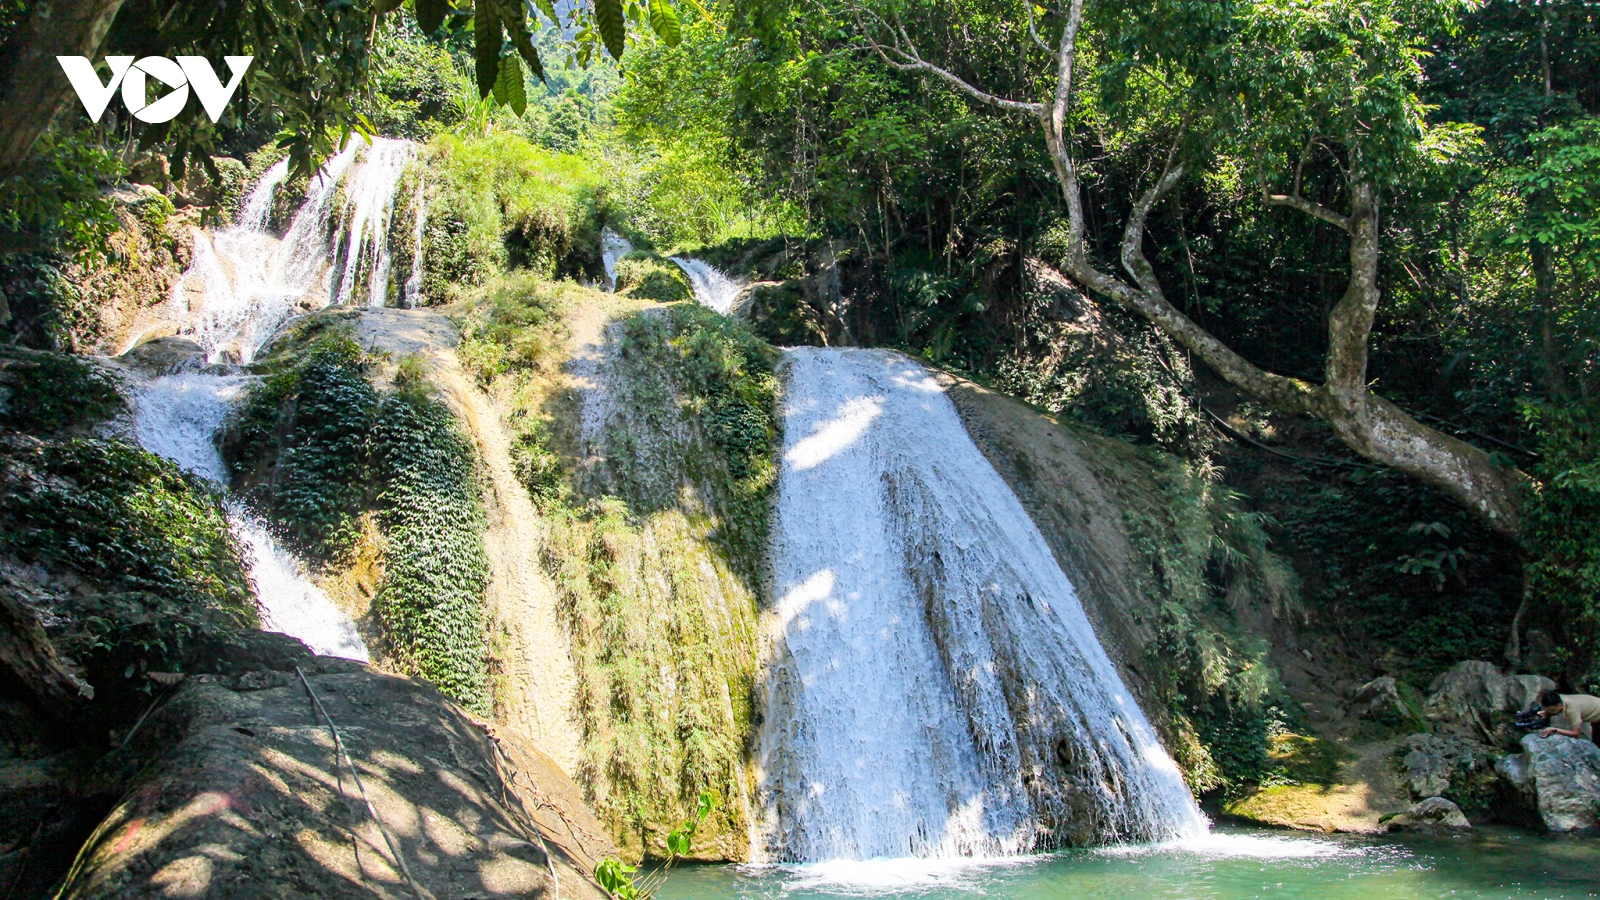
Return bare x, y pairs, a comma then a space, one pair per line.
652, 278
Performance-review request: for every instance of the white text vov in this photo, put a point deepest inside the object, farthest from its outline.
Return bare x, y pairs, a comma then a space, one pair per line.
181, 74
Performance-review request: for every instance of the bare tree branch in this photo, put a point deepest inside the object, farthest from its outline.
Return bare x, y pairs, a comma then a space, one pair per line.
902, 54
1316, 210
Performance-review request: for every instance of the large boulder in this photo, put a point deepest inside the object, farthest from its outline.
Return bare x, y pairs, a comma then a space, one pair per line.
1383, 700
237, 787
1473, 699
1564, 776
1435, 815
1444, 765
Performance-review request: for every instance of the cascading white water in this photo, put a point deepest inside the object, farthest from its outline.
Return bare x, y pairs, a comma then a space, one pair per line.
177, 416
711, 287
933, 686
244, 282
258, 206
613, 247
413, 288
370, 205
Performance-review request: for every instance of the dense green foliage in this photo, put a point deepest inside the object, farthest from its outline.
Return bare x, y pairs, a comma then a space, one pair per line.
48, 392
301, 441
500, 202
435, 569
155, 539
316, 447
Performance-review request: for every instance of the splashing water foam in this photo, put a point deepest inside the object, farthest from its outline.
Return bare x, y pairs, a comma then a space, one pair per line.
711, 287
932, 685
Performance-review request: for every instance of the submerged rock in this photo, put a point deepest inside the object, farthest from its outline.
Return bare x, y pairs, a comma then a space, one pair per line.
1565, 778
1435, 815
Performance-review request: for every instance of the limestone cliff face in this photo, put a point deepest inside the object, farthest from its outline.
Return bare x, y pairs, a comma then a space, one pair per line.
535, 683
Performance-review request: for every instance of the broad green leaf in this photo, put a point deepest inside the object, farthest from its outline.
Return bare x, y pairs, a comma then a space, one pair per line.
664, 22
430, 14
516, 25
486, 49
611, 24
678, 843
508, 89
549, 10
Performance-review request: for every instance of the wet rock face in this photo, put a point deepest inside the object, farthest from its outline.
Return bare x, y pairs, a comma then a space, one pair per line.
236, 789
1564, 774
1474, 699
1435, 815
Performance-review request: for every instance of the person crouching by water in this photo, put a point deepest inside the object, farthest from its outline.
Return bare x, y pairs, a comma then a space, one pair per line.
1580, 710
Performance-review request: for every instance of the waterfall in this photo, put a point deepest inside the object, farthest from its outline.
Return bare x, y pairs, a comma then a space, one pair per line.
933, 687
258, 206
177, 416
370, 204
244, 282
711, 287
413, 289
613, 247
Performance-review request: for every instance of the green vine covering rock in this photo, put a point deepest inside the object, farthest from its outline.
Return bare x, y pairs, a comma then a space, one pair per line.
128, 558
436, 570
316, 446
149, 541
299, 444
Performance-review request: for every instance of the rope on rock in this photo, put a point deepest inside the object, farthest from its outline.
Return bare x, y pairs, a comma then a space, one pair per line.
343, 755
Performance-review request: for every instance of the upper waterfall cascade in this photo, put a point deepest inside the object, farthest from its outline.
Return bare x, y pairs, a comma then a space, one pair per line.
711, 287
933, 687
244, 282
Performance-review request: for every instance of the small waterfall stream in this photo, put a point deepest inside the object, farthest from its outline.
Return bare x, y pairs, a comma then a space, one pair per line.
242, 286
711, 287
177, 416
613, 247
412, 292
932, 686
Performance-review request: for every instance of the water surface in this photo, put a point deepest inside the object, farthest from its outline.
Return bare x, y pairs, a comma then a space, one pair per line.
1229, 864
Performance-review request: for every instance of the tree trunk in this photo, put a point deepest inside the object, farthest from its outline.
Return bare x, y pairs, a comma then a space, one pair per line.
1367, 423
36, 87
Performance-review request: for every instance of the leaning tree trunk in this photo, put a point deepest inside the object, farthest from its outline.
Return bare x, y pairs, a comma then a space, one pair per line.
35, 87
1368, 424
